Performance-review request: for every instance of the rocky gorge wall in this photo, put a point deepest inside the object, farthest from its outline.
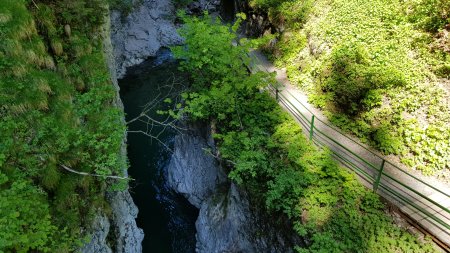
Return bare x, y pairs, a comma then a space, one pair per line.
227, 222
142, 33
148, 28
121, 225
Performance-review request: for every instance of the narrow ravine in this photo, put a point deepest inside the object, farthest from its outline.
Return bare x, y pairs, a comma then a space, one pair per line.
167, 219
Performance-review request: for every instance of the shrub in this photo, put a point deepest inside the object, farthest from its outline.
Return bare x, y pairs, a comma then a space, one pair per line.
368, 62
267, 153
430, 15
57, 107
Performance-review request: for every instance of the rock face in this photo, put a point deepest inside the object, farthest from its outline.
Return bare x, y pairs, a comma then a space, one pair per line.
222, 223
192, 172
128, 237
142, 33
226, 221
200, 6
98, 237
122, 228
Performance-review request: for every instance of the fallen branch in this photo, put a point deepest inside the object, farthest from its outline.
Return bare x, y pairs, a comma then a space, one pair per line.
93, 175
35, 4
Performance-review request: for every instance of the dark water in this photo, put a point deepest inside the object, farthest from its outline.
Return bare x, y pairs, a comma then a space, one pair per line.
167, 219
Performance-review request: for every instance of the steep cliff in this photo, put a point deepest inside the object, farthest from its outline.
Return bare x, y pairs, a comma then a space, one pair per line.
142, 33
227, 221
121, 226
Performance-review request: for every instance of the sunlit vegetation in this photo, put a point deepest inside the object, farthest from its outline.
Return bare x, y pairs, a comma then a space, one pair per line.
265, 151
379, 69
57, 107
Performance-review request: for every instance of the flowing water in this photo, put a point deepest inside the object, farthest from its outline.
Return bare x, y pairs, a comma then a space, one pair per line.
167, 219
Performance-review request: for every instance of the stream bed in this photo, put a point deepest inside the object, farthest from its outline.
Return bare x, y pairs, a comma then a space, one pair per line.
167, 219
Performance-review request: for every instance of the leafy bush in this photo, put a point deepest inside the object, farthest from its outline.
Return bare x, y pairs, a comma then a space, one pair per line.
387, 141
267, 153
25, 219
285, 11
57, 107
367, 66
322, 198
430, 15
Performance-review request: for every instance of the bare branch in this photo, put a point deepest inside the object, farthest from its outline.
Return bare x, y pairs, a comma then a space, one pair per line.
35, 4
154, 128
153, 137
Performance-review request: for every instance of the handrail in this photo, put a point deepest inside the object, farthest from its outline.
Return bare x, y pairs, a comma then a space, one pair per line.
357, 143
375, 154
349, 157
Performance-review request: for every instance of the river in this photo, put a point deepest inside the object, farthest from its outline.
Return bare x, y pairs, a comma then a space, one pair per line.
167, 219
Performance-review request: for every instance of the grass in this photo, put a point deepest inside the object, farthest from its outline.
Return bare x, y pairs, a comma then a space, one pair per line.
57, 106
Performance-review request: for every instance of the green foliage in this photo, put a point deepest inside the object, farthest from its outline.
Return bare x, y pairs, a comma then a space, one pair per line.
322, 198
387, 141
197, 53
353, 79
430, 15
267, 153
25, 218
285, 11
368, 67
215, 93
57, 106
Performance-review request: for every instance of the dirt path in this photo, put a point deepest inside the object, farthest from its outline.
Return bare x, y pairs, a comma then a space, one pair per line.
424, 199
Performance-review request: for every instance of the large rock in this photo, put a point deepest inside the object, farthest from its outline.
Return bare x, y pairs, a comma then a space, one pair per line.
193, 172
124, 213
142, 33
98, 241
227, 222
121, 227
222, 224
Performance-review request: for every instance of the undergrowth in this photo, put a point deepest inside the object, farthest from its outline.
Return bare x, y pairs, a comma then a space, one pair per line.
265, 151
57, 107
379, 69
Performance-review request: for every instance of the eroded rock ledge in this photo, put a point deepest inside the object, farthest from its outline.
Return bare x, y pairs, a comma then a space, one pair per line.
227, 222
142, 33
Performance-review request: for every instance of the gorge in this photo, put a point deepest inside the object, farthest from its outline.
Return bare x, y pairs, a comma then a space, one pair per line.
226, 221
144, 125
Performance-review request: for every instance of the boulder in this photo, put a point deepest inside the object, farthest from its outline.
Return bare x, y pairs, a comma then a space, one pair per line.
142, 33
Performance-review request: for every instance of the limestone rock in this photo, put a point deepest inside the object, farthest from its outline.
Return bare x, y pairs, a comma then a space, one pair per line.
221, 225
98, 241
128, 236
200, 6
226, 222
192, 172
142, 33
